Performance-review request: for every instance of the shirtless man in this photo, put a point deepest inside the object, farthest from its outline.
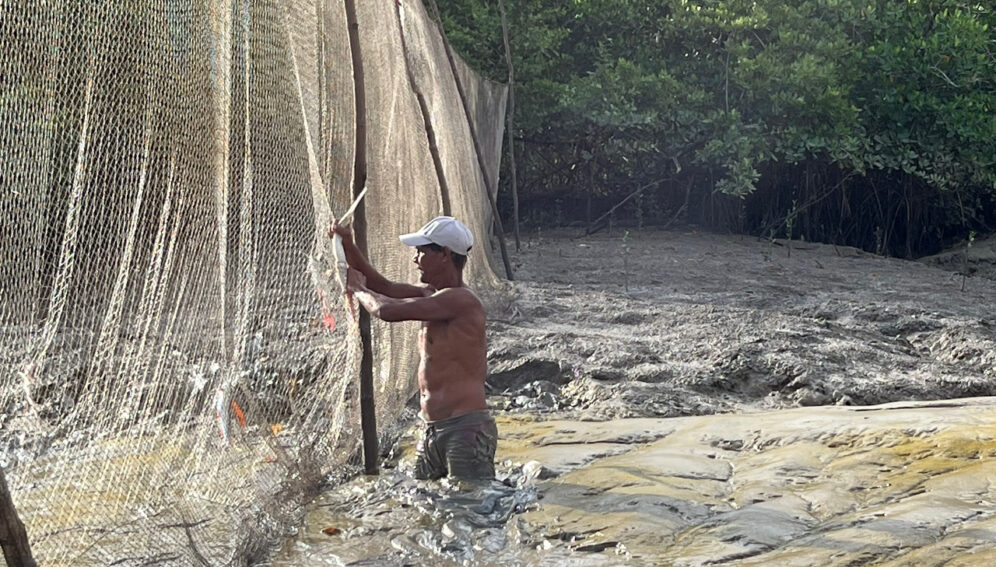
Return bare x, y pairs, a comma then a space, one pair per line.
459, 435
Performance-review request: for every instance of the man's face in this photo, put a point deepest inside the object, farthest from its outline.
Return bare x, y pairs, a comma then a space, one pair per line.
428, 258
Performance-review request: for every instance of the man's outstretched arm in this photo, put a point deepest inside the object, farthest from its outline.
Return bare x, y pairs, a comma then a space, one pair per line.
440, 306
375, 281
436, 307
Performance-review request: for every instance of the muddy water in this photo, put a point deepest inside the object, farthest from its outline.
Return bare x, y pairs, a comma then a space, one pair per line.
899, 484
393, 519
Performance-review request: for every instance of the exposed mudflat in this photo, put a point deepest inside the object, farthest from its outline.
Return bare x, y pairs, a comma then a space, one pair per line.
901, 484
686, 323
685, 398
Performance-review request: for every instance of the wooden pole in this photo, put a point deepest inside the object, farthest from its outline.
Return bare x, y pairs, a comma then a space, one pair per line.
430, 131
511, 126
368, 416
477, 146
13, 537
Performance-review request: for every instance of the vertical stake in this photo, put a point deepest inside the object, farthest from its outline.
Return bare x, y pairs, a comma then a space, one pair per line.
13, 537
368, 416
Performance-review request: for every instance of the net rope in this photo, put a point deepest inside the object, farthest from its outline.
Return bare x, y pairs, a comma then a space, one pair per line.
179, 368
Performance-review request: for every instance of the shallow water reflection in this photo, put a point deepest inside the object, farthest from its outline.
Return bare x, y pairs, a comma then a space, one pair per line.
393, 519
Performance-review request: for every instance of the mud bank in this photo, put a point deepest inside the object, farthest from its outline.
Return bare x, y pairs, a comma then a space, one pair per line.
900, 484
687, 323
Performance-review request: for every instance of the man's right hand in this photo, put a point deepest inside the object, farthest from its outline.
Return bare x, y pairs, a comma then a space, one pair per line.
355, 281
343, 231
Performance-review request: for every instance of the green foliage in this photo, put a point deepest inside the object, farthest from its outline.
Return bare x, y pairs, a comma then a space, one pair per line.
928, 84
882, 102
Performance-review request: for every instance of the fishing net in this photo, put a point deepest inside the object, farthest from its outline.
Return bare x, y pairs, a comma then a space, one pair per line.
178, 366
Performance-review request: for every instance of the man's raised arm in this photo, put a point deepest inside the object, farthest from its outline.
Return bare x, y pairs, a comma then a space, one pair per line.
375, 281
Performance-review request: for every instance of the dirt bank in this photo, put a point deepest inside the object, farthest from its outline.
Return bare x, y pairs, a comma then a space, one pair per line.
685, 323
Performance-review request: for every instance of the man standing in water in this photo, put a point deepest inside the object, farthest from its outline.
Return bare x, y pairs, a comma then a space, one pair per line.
460, 436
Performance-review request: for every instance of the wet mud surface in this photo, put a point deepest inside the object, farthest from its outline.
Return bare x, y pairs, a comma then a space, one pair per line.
684, 398
689, 323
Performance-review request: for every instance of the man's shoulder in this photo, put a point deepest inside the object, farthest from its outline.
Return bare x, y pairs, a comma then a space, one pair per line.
461, 294
459, 291
427, 290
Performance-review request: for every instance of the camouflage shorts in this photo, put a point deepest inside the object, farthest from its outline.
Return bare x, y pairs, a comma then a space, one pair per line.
462, 447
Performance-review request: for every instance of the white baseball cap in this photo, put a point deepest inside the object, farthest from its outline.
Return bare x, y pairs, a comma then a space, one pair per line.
443, 231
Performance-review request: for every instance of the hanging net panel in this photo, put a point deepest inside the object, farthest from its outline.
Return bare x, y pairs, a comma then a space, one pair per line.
178, 365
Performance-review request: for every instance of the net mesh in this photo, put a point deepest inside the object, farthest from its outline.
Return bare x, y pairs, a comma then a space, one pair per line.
179, 367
